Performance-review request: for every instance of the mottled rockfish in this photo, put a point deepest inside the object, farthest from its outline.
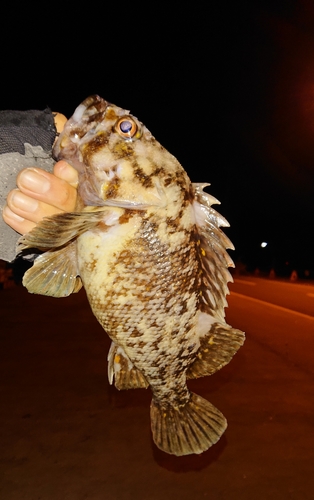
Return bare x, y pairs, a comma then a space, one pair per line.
147, 246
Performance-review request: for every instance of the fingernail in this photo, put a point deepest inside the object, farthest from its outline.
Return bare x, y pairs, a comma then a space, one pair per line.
19, 200
8, 214
32, 180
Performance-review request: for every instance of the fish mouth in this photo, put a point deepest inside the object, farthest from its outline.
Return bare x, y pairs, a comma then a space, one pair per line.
84, 119
91, 110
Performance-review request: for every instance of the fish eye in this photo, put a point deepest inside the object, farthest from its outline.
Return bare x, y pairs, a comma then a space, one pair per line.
126, 127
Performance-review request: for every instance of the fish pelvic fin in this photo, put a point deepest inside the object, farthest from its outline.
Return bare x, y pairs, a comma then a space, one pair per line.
54, 273
122, 370
192, 428
216, 350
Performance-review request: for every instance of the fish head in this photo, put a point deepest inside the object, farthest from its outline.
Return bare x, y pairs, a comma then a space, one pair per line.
119, 162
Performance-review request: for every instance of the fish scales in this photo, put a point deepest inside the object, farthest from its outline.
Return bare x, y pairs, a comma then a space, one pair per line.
167, 305
147, 246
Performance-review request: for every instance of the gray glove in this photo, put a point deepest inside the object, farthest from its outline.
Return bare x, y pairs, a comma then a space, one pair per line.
26, 139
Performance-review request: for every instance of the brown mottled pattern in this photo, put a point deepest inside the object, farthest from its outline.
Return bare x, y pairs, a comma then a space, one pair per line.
127, 216
156, 325
148, 285
148, 300
94, 113
145, 180
147, 246
94, 145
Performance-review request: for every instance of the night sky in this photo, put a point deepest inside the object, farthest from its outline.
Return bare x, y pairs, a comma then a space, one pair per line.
229, 92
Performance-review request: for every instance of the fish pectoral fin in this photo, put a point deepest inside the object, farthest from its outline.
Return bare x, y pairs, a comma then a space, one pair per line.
54, 273
122, 370
192, 428
60, 229
217, 349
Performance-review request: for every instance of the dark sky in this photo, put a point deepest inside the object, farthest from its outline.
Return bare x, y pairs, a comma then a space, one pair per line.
229, 92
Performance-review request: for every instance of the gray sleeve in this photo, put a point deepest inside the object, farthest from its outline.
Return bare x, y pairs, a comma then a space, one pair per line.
26, 139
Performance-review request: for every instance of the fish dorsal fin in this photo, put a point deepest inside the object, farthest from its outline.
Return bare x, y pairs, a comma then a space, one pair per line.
54, 273
214, 258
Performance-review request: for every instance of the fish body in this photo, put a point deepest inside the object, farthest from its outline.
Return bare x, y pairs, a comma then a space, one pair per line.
147, 246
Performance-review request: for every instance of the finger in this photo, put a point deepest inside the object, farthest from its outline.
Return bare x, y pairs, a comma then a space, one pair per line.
60, 121
64, 171
28, 208
48, 188
19, 224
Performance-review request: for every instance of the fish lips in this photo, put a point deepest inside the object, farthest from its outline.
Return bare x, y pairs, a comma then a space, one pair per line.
86, 117
91, 110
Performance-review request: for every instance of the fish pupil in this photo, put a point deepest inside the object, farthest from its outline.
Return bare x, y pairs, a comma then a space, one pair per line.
126, 126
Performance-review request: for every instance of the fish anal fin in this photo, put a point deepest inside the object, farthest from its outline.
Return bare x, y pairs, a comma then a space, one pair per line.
122, 370
217, 349
54, 273
193, 428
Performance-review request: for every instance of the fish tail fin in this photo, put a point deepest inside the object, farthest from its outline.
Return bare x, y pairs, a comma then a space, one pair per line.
217, 349
193, 428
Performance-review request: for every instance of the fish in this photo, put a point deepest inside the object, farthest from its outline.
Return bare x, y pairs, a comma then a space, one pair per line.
148, 247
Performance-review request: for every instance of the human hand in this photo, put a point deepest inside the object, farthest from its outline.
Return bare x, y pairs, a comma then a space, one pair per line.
40, 194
